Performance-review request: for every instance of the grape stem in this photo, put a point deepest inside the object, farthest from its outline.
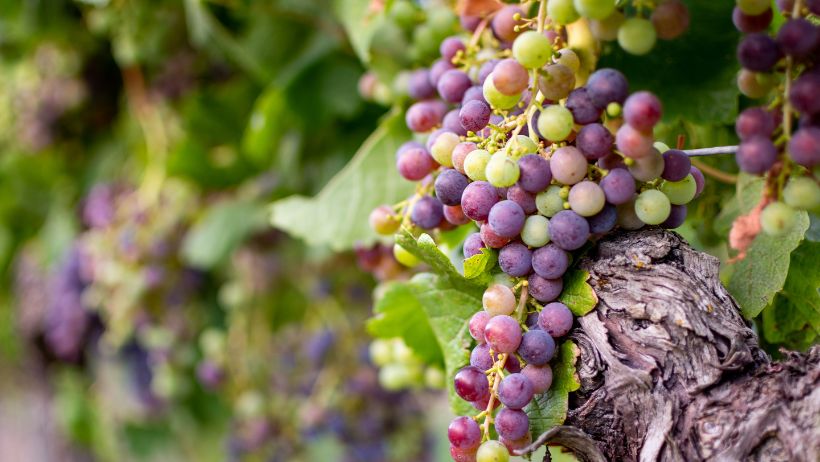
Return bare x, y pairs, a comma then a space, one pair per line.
496, 379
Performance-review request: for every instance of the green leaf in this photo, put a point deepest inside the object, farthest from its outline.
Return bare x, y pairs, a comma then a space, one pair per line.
360, 23
550, 408
398, 313
761, 274
578, 294
426, 250
480, 264
220, 231
703, 95
793, 319
337, 216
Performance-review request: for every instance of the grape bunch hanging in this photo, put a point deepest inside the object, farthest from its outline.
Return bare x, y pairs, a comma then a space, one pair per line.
510, 137
780, 139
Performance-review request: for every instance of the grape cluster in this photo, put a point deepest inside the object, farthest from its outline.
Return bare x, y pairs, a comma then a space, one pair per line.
781, 139
515, 142
400, 368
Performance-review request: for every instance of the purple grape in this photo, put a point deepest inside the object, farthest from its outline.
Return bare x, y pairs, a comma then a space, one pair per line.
756, 155
512, 424
415, 163
540, 377
481, 405
474, 115
544, 290
423, 116
700, 181
486, 69
477, 325
814, 6
676, 165
677, 216
452, 122
550, 262
537, 347
406, 146
568, 230
785, 6
580, 104
532, 321
506, 218
469, 23
453, 214
490, 238
594, 141
427, 212
748, 24
523, 198
515, 259
471, 384
503, 334
450, 186
535, 173
452, 85
515, 391
642, 110
611, 162
804, 147
503, 23
754, 121
555, 319
450, 47
606, 86
474, 93
480, 357
804, 91
464, 433
512, 365
603, 221
510, 77
618, 186
473, 245
438, 69
477, 200
758, 52
418, 85
797, 37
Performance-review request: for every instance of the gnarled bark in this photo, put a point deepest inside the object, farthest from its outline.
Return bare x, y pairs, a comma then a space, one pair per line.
670, 370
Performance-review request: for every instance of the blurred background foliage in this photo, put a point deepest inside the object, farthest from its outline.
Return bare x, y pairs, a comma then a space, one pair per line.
150, 312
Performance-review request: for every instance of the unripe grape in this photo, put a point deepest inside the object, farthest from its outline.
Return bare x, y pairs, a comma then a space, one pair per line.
586, 198
504, 22
549, 202
442, 149
802, 193
562, 12
627, 218
532, 49
753, 6
632, 142
680, 192
536, 231
637, 36
492, 451
568, 165
568, 58
752, 84
510, 77
502, 171
607, 29
671, 19
497, 99
383, 220
381, 352
519, 146
652, 207
595, 9
404, 257
475, 164
498, 299
556, 81
777, 218
460, 153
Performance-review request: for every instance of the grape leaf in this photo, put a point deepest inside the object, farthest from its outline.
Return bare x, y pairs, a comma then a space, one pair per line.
360, 21
760, 275
427, 251
578, 294
793, 319
480, 264
704, 95
337, 216
220, 231
550, 408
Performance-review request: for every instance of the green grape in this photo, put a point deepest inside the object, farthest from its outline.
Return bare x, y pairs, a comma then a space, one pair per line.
532, 49
562, 12
637, 36
660, 146
434, 378
549, 202
607, 29
497, 99
536, 232
395, 376
777, 218
568, 58
442, 149
647, 168
381, 352
520, 145
502, 171
402, 353
595, 9
492, 450
443, 21
404, 257
250, 403
404, 13
802, 193
652, 207
425, 41
753, 7
475, 164
755, 85
680, 192
555, 123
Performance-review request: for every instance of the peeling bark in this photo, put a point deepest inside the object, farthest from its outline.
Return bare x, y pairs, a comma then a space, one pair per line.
670, 371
